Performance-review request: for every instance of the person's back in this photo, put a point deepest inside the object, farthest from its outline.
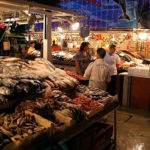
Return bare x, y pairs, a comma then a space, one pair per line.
98, 71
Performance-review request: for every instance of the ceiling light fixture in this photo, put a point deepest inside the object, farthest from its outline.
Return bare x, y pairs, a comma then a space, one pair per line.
75, 26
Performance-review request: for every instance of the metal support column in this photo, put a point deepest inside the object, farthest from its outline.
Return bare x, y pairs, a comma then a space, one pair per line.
47, 38
115, 127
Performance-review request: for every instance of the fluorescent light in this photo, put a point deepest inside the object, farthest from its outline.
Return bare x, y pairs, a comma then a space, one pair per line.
75, 43
11, 19
62, 36
113, 39
61, 53
143, 36
60, 29
86, 39
75, 26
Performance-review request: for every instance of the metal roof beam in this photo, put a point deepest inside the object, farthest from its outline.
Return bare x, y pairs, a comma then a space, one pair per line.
36, 5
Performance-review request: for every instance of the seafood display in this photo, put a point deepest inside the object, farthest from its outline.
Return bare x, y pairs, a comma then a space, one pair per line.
87, 104
17, 126
93, 93
24, 77
63, 56
47, 107
60, 96
74, 75
53, 111
130, 59
4, 140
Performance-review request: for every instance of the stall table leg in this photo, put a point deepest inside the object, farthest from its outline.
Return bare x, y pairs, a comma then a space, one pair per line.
115, 128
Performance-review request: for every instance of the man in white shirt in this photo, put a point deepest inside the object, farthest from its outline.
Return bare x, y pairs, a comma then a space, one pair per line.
98, 71
113, 62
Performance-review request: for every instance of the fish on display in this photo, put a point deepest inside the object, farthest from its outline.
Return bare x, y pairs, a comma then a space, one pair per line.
122, 3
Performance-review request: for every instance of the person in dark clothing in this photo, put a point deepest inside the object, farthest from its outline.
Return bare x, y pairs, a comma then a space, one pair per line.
82, 58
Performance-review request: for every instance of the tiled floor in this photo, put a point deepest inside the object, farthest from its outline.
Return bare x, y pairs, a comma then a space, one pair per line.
133, 129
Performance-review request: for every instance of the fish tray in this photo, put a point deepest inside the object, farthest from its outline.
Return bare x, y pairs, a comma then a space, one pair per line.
40, 120
10, 105
94, 112
68, 88
32, 142
35, 141
108, 100
78, 94
63, 118
60, 117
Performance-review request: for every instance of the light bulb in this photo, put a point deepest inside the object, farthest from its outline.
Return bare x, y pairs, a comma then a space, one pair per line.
75, 26
62, 36
143, 36
60, 29
107, 45
113, 39
86, 39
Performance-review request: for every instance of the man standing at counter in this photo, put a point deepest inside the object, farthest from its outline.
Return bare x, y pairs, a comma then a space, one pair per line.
98, 72
113, 62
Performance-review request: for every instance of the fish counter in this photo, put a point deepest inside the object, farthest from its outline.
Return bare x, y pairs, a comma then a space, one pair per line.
64, 59
133, 91
40, 103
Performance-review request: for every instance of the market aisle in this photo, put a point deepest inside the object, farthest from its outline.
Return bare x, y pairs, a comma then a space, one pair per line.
133, 129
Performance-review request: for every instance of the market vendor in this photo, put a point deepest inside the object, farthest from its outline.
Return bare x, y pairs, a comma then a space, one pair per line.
32, 52
82, 58
98, 72
113, 62
31, 48
55, 46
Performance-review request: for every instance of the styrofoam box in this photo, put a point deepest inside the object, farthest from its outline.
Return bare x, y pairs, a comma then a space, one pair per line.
139, 71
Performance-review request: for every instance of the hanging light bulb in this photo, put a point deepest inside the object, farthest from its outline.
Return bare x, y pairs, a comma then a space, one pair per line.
75, 26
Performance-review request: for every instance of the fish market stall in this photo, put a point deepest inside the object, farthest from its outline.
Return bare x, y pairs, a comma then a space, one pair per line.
49, 102
130, 45
64, 60
133, 86
137, 85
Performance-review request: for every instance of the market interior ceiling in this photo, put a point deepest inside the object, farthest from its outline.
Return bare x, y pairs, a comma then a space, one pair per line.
20, 12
